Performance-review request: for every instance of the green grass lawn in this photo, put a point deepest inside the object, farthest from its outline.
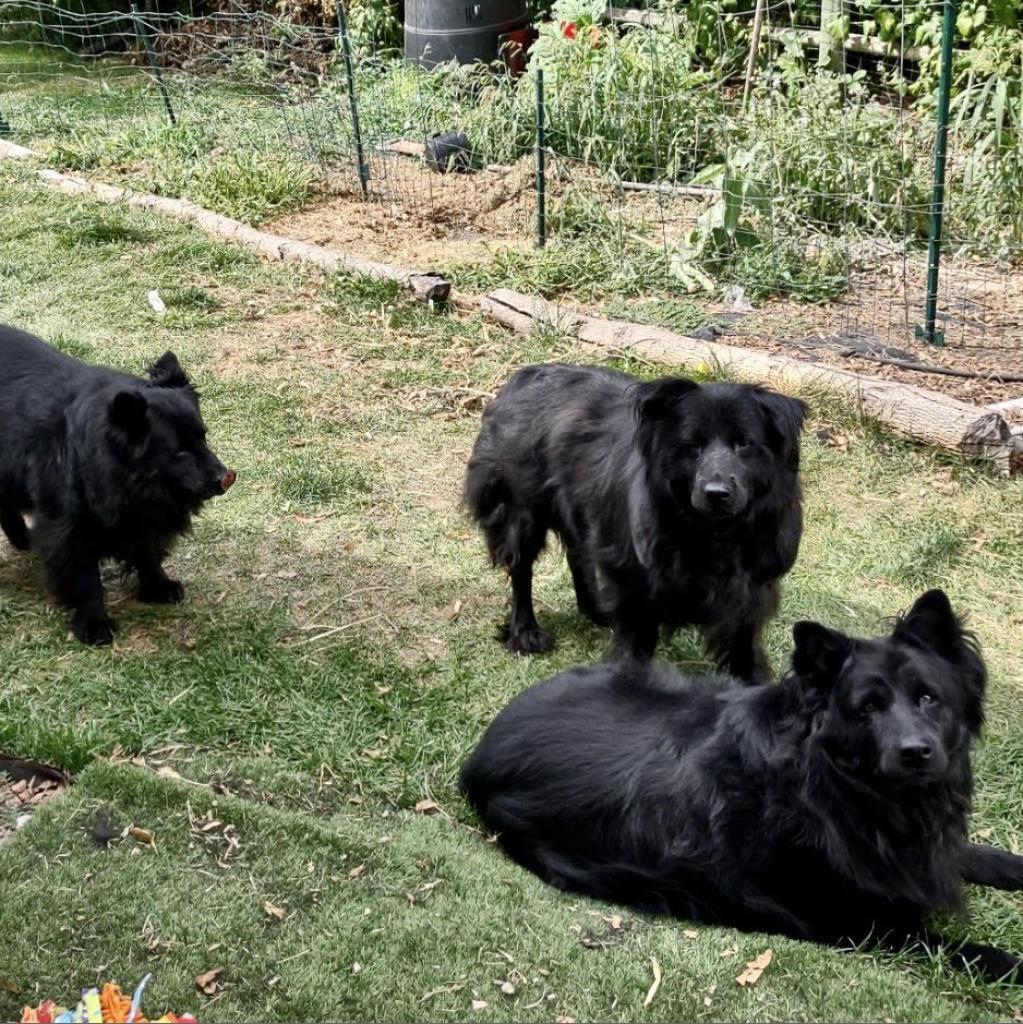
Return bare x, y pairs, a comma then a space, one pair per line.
334, 662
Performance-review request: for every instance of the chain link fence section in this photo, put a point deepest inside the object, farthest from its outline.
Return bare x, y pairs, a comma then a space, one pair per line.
784, 175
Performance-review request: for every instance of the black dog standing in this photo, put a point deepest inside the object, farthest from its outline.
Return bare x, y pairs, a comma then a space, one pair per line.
105, 465
678, 503
831, 807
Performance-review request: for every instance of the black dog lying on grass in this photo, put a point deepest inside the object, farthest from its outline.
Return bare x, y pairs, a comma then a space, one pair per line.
830, 807
105, 465
678, 504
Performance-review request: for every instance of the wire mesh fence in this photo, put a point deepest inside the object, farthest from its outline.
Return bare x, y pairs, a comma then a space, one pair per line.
757, 154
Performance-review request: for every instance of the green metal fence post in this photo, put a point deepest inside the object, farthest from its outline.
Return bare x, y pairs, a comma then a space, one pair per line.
928, 331
541, 164
346, 50
143, 35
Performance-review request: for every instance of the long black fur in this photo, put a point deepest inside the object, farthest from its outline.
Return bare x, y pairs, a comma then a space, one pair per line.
98, 464
621, 471
831, 807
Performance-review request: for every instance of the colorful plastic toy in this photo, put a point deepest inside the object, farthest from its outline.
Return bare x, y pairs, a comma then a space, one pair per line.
109, 1006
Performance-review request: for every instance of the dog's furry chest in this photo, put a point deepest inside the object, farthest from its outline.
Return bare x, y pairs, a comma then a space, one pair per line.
697, 585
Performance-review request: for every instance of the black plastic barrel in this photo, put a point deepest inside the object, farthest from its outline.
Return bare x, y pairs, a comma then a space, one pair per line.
461, 30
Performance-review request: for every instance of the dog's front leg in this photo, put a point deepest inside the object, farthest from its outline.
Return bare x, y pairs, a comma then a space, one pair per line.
155, 586
987, 865
636, 627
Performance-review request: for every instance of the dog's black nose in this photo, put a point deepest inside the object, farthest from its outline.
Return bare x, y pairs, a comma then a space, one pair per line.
915, 753
717, 494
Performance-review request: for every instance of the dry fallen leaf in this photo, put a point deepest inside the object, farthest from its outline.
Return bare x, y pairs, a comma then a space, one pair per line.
166, 772
652, 991
357, 872
755, 968
273, 911
614, 921
708, 998
426, 807
356, 968
208, 982
564, 1020
287, 574
479, 1004
690, 934
142, 835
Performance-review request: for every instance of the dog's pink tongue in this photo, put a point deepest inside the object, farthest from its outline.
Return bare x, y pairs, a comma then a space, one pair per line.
229, 478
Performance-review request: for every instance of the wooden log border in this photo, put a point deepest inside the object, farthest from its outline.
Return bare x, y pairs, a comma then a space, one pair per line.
910, 411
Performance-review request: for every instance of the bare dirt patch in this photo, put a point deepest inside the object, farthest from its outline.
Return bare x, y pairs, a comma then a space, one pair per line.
24, 787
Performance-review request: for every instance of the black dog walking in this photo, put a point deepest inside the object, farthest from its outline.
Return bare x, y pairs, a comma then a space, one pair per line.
830, 807
678, 503
105, 465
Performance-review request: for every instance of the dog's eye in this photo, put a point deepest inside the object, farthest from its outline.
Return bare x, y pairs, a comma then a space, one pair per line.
926, 700
870, 707
747, 448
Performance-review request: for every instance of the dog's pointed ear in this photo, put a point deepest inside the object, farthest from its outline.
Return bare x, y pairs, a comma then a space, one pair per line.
654, 399
819, 652
166, 372
784, 418
932, 623
128, 414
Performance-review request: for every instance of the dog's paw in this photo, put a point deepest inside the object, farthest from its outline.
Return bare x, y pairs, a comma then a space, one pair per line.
96, 631
531, 640
163, 591
594, 614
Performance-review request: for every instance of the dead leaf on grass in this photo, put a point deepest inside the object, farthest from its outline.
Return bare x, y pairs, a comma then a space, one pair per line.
210, 981
271, 911
479, 1004
358, 871
755, 968
690, 934
426, 807
652, 991
456, 610
143, 836
506, 987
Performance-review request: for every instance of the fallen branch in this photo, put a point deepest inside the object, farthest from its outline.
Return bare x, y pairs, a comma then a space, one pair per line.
908, 410
948, 371
424, 285
668, 189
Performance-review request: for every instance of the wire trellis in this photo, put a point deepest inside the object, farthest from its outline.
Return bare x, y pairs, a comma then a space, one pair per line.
673, 177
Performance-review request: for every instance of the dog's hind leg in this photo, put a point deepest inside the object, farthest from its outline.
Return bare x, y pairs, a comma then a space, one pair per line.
13, 524
522, 542
986, 865
74, 579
